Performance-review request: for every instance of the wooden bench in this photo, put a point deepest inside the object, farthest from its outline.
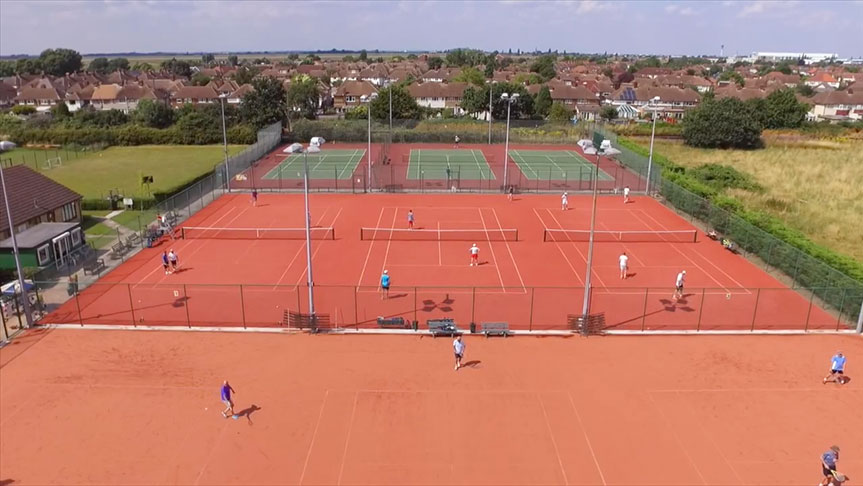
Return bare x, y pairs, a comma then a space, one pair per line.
94, 267
495, 329
392, 322
591, 325
118, 250
442, 327
133, 240
320, 322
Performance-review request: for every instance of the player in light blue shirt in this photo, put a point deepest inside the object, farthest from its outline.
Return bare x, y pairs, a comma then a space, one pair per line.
837, 369
385, 285
828, 465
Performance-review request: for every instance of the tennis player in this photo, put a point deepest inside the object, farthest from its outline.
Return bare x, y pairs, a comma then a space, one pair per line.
166, 263
172, 257
458, 349
410, 219
828, 465
457, 140
509, 193
678, 285
837, 369
226, 399
626, 195
254, 197
385, 285
624, 261
564, 202
474, 255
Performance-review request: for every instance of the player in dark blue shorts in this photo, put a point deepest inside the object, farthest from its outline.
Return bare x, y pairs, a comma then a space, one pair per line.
385, 285
226, 399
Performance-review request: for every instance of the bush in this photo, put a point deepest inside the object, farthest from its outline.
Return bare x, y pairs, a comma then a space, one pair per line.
23, 110
724, 177
726, 123
129, 135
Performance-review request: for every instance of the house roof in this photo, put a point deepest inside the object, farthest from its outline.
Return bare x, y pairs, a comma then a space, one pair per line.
196, 92
564, 92
7, 92
37, 235
107, 92
356, 88
31, 93
25, 185
242, 90
667, 94
847, 97
136, 92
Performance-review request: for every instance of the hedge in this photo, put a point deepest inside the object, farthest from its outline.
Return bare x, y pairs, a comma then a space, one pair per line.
129, 135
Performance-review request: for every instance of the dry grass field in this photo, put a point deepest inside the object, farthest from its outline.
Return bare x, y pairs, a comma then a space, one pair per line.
816, 186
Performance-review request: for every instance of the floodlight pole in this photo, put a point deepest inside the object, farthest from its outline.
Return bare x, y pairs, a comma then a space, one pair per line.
860, 320
650, 155
390, 86
310, 280
509, 99
369, 174
490, 86
225, 144
25, 301
585, 310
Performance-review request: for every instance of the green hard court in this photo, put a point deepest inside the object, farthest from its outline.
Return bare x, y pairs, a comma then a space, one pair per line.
555, 165
464, 164
327, 164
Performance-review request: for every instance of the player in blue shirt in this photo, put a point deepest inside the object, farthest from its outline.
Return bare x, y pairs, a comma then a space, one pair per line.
226, 399
385, 285
837, 369
410, 219
828, 465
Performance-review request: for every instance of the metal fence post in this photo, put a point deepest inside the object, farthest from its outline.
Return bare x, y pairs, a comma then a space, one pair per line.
644, 310
860, 320
530, 318
131, 303
78, 308
243, 306
841, 306
755, 310
186, 305
809, 310
473, 306
700, 311
415, 304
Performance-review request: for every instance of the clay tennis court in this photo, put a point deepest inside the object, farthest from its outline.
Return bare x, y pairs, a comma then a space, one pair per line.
241, 267
127, 407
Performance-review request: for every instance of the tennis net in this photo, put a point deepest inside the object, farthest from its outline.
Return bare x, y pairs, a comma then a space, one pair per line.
401, 234
205, 233
563, 236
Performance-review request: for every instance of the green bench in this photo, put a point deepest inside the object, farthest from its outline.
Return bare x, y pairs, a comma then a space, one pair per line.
442, 327
392, 323
495, 329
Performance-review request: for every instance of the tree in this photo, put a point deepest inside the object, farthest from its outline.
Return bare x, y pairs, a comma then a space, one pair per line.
208, 59
60, 111
245, 74
470, 75
98, 65
435, 62
348, 58
28, 66
464, 57
543, 102
725, 123
412, 56
544, 66
233, 60
303, 97
118, 63
624, 77
404, 105
608, 113
527, 78
200, 79
359, 112
364, 56
608, 73
559, 113
784, 68
731, 75
145, 67
784, 111
475, 100
7, 68
266, 104
23, 110
153, 114
690, 72
178, 68
59, 62
805, 90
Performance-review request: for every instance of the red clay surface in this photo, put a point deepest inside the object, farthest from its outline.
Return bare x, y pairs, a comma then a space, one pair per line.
395, 173
528, 283
126, 407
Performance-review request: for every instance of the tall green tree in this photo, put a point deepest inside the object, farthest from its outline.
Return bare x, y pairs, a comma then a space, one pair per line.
475, 100
245, 74
153, 114
208, 59
435, 62
470, 75
364, 55
404, 105
28, 66
608, 113
58, 62
233, 60
559, 113
7, 68
784, 110
725, 123
118, 63
303, 97
543, 102
544, 66
266, 104
98, 65
200, 79
144, 67
732, 75
176, 67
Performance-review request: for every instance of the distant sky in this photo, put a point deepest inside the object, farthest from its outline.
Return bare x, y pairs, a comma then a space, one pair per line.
662, 27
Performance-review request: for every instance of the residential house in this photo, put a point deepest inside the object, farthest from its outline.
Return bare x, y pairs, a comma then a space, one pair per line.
237, 96
822, 78
347, 96
195, 95
439, 95
7, 94
38, 204
672, 105
580, 100
375, 74
104, 97
846, 105
40, 97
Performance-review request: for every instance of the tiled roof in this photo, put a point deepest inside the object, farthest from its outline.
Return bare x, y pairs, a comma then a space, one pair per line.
196, 92
25, 186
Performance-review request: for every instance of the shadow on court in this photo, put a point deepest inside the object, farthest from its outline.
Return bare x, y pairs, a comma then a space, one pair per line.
247, 412
472, 364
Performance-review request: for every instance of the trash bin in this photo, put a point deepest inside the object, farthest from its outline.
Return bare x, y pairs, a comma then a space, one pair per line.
473, 328
415, 325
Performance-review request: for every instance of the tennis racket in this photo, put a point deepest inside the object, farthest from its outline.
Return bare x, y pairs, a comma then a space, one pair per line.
839, 478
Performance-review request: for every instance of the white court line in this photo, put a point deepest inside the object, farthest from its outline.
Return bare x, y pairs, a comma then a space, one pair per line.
511, 256
626, 249
677, 438
687, 256
576, 247
553, 442
297, 253
491, 249
586, 438
314, 435
348, 438
560, 250
368, 254
318, 247
389, 241
713, 441
439, 255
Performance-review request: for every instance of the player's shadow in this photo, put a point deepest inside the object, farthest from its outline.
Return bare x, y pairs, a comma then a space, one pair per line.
182, 269
6, 482
482, 263
180, 301
261, 205
631, 274
397, 296
681, 304
248, 411
472, 364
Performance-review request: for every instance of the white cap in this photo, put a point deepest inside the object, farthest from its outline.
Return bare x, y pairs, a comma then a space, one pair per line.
474, 244
385, 271
683, 272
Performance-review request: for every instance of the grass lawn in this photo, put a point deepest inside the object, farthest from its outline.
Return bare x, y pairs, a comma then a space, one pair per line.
93, 174
135, 220
97, 233
814, 186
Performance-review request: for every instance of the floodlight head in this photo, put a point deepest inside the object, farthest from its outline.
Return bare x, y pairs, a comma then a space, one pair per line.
504, 96
515, 96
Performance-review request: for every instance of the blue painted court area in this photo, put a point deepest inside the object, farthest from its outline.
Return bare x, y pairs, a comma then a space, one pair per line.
555, 165
327, 164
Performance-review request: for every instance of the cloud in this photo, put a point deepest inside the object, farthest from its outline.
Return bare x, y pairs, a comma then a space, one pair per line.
674, 8
759, 7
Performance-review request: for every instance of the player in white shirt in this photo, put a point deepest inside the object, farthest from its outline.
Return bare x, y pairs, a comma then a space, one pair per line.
564, 202
678, 285
474, 255
624, 260
458, 348
625, 194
